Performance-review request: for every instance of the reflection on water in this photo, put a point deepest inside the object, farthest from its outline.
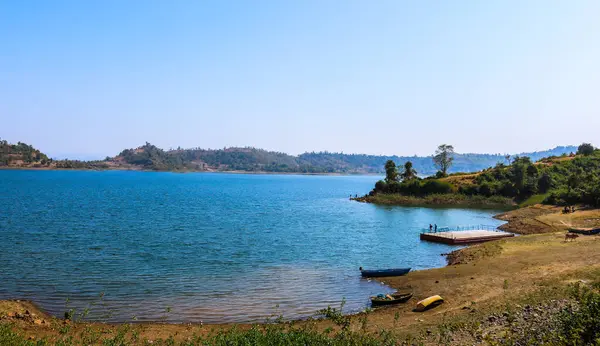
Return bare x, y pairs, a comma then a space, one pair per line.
203, 247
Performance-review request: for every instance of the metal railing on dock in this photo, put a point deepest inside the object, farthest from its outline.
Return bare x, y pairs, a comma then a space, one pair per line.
463, 228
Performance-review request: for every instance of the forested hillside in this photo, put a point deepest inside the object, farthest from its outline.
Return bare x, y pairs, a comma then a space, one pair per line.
23, 155
230, 159
20, 154
150, 157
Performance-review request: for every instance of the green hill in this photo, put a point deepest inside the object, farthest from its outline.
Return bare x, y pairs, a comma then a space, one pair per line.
562, 180
21, 154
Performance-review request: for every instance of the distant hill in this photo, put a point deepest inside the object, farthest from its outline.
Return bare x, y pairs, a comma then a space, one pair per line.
150, 157
20, 154
23, 155
351, 163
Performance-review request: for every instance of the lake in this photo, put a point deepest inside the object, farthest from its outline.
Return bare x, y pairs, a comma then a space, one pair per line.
204, 247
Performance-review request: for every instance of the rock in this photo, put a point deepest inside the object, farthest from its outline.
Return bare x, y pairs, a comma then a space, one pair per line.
27, 312
437, 282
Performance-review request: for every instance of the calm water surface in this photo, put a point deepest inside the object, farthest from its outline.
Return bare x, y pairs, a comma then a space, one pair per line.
210, 247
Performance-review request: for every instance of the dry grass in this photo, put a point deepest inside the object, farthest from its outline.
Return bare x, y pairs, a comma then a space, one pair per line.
544, 219
580, 218
461, 180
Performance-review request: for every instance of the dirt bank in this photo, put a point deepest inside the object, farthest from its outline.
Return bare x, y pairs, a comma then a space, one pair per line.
545, 219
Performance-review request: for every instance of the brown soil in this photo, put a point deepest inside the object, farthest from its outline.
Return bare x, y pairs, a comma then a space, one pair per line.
544, 219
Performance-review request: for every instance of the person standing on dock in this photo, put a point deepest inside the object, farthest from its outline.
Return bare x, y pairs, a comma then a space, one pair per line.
435, 228
430, 228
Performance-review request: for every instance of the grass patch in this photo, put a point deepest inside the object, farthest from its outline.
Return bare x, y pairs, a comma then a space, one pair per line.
475, 253
269, 334
533, 200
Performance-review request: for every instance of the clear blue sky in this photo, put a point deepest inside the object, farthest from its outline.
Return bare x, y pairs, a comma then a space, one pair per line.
89, 78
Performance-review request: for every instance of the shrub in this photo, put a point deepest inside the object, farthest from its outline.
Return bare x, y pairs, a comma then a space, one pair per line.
468, 190
581, 326
411, 187
381, 186
508, 189
487, 189
435, 187
585, 149
545, 183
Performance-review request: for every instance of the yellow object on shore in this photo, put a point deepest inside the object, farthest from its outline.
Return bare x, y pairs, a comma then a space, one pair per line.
429, 303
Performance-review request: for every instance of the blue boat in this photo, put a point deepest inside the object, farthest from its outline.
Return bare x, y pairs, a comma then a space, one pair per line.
585, 231
384, 272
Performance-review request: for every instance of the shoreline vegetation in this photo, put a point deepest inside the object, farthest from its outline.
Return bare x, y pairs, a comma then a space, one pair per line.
495, 293
244, 160
439, 200
564, 180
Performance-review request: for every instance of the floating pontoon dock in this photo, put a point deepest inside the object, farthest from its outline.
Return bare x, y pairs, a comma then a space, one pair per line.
465, 234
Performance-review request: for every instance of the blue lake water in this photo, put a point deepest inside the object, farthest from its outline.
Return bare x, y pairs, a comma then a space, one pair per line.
203, 247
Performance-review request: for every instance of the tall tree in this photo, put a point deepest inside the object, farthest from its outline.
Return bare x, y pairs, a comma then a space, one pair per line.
444, 155
391, 172
409, 172
585, 149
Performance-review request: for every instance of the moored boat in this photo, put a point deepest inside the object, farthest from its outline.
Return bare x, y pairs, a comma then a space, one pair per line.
390, 299
585, 231
384, 272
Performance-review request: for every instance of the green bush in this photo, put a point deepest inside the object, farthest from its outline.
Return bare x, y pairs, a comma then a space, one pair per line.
435, 187
381, 186
585, 149
581, 326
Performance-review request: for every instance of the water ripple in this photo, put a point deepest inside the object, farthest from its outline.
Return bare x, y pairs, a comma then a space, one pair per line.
202, 247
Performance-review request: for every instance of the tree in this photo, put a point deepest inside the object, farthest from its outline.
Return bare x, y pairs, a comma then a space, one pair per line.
532, 171
545, 183
443, 158
507, 158
409, 172
391, 172
585, 149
